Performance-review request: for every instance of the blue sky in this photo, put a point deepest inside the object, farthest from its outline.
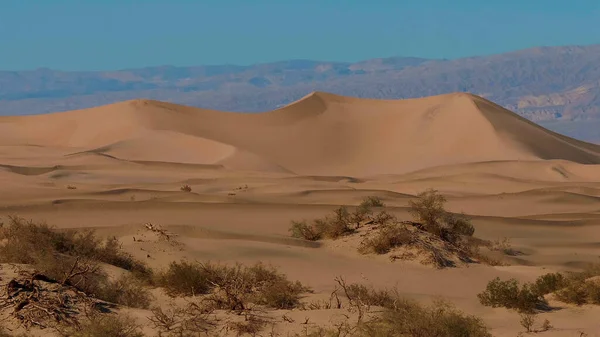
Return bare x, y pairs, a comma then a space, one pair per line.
116, 34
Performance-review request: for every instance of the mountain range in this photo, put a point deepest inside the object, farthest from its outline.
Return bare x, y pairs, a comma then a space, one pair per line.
557, 87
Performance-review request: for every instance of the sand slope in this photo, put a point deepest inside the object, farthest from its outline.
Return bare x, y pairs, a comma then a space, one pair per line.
321, 134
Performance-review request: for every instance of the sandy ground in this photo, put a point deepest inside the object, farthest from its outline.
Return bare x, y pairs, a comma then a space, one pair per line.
117, 167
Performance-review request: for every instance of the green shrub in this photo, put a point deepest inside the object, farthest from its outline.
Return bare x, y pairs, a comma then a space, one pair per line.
549, 283
510, 295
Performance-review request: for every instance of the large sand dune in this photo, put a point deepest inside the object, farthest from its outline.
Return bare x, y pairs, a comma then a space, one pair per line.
119, 166
320, 134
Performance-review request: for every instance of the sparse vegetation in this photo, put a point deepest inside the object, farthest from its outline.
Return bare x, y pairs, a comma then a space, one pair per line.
387, 237
444, 236
232, 287
99, 325
186, 188
576, 287
69, 263
191, 320
402, 317
509, 294
331, 227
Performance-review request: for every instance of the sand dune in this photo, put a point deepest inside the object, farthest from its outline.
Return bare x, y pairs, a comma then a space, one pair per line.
321, 134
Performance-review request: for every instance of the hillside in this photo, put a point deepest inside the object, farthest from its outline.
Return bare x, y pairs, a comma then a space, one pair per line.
320, 134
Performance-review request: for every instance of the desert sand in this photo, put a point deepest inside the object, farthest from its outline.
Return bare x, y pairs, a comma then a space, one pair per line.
251, 174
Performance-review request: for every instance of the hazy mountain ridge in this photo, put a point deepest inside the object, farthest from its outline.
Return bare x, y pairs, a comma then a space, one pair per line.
546, 84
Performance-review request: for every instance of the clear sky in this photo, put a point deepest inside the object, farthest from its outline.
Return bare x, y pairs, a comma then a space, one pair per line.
116, 34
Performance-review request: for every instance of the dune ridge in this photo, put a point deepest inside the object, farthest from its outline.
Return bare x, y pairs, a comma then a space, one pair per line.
320, 134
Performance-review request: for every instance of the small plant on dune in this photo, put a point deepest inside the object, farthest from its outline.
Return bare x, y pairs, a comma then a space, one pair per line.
186, 188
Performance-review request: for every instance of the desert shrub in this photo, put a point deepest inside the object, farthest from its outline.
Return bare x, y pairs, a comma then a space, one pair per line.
372, 201
102, 325
412, 319
549, 283
251, 326
232, 287
302, 230
580, 292
192, 320
429, 210
459, 224
184, 278
333, 227
126, 290
527, 320
73, 258
372, 297
186, 188
510, 295
339, 224
387, 238
27, 241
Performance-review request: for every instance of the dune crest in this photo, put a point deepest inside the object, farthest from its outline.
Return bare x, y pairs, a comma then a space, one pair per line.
320, 134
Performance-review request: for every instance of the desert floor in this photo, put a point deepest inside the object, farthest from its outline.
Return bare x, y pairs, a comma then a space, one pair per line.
550, 211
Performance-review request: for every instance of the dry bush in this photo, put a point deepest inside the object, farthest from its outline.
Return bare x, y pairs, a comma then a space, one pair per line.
372, 201
341, 222
510, 295
27, 241
549, 283
527, 321
72, 259
191, 320
302, 230
232, 287
581, 287
126, 290
105, 325
387, 238
403, 317
411, 319
184, 278
575, 287
186, 188
331, 227
429, 210
251, 325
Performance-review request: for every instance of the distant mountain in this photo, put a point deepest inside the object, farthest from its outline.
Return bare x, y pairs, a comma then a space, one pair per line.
558, 87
